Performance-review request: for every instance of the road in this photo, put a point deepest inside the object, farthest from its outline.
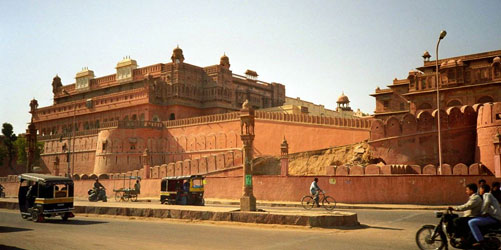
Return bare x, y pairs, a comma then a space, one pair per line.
381, 229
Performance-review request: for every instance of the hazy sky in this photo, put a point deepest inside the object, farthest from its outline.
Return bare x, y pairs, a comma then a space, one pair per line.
316, 48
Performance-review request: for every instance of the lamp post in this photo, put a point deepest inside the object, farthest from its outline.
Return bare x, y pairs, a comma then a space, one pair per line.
442, 35
71, 151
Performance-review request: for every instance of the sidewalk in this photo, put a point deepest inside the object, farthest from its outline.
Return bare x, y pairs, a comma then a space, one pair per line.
338, 206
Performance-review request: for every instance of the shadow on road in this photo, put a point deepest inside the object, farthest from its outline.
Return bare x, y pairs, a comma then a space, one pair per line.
10, 248
12, 230
74, 222
363, 226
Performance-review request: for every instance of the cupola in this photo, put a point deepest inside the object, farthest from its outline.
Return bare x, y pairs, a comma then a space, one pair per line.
426, 56
83, 79
343, 103
177, 55
225, 61
125, 69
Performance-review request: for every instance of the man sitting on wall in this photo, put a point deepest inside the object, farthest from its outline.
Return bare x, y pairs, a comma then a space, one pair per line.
471, 209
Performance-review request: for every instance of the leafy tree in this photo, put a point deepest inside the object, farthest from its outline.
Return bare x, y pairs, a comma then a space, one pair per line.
8, 141
3, 153
20, 146
22, 156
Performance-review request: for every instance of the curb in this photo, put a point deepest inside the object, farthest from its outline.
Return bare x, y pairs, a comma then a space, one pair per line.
334, 220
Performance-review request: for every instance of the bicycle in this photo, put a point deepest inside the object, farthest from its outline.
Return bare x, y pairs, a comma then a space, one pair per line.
328, 202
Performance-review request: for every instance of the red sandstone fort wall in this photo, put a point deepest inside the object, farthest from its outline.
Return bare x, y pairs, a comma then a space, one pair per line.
437, 190
55, 161
488, 124
403, 189
413, 139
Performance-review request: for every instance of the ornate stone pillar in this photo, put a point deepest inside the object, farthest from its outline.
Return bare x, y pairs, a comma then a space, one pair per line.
248, 201
284, 158
497, 154
146, 163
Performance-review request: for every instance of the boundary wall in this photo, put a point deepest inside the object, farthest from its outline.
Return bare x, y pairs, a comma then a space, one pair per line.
119, 146
401, 189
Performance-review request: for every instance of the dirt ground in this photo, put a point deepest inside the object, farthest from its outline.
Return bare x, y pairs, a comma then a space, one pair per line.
315, 162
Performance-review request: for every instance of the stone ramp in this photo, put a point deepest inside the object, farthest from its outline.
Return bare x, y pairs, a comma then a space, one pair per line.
307, 218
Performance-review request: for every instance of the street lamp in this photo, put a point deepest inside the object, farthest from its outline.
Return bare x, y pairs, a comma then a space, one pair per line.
71, 163
442, 35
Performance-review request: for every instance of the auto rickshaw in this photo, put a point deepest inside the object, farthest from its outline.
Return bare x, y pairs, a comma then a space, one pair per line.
43, 196
182, 190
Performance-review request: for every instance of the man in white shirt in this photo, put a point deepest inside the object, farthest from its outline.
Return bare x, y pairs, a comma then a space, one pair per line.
315, 190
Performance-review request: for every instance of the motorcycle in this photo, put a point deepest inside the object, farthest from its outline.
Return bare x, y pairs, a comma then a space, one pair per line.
97, 195
437, 237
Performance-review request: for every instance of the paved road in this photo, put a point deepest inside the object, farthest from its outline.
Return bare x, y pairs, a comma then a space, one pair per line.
382, 229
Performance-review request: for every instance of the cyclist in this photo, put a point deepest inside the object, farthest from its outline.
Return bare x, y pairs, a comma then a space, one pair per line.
315, 190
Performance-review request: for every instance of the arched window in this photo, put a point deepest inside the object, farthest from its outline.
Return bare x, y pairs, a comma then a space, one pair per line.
155, 118
485, 99
425, 106
172, 116
453, 103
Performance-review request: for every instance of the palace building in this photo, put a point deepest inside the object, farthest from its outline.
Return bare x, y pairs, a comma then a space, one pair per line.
464, 80
159, 92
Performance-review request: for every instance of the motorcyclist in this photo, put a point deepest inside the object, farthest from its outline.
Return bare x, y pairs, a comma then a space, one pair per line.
99, 191
472, 208
98, 185
491, 214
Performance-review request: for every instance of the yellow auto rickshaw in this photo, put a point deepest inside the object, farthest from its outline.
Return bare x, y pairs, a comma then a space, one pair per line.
182, 190
43, 196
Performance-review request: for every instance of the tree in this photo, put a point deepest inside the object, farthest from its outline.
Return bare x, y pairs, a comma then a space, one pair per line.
8, 141
22, 156
20, 146
3, 153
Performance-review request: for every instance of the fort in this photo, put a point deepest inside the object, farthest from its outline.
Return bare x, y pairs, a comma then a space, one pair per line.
178, 119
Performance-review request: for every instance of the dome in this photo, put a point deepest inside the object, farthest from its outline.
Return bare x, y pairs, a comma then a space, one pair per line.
56, 78
426, 55
225, 61
177, 50
497, 59
177, 55
343, 99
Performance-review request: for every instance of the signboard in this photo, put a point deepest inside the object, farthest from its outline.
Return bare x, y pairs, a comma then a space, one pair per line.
248, 180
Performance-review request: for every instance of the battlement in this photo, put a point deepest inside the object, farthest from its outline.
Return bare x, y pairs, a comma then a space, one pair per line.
424, 122
430, 169
320, 120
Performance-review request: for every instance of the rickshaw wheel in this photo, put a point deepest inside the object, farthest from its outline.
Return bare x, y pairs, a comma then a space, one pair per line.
65, 216
117, 196
36, 216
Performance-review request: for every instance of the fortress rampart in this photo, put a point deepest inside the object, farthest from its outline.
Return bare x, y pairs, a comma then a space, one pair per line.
118, 146
413, 139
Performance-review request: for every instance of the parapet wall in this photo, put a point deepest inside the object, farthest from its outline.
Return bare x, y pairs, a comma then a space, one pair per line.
413, 139
430, 169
